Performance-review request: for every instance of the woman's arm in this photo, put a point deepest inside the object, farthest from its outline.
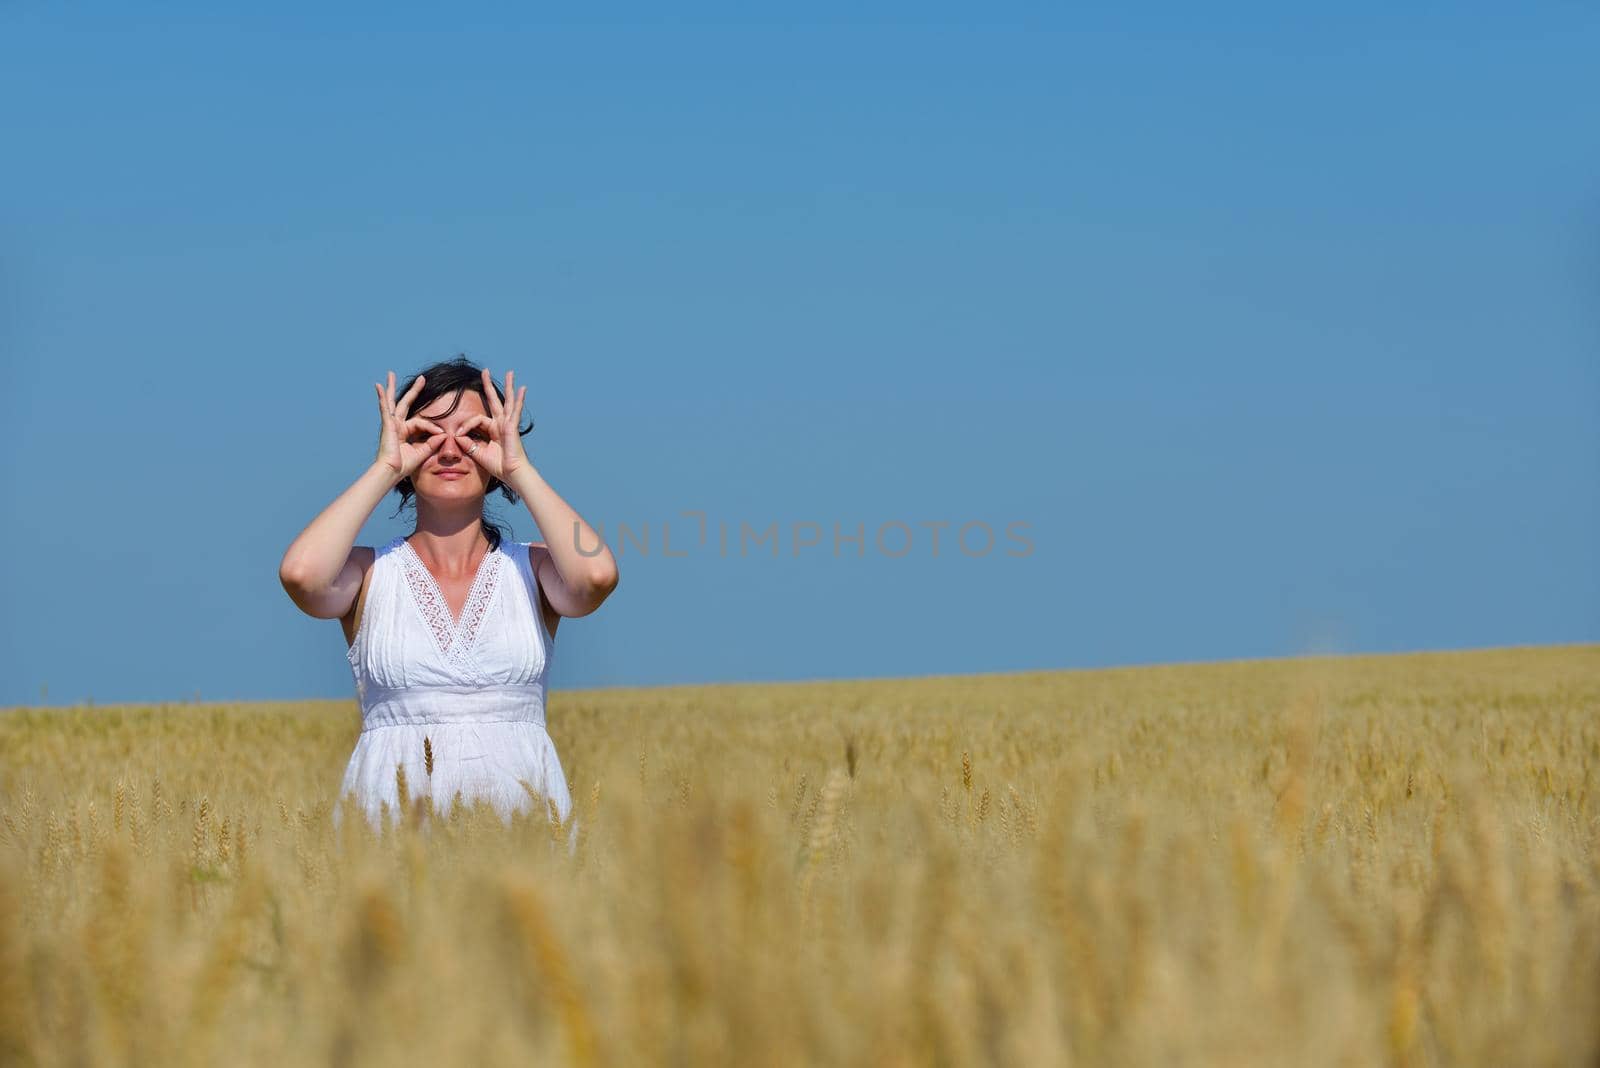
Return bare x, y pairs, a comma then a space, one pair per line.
583, 577
581, 571
319, 571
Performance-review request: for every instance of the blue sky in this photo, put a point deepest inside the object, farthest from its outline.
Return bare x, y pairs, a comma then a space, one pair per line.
1276, 329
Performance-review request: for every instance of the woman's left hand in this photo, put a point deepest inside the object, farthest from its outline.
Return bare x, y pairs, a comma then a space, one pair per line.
501, 456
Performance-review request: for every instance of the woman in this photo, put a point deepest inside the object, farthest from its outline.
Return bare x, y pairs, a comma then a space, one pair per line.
451, 628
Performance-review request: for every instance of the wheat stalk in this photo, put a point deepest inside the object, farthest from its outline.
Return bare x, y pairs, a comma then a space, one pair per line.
402, 792
543, 958
202, 818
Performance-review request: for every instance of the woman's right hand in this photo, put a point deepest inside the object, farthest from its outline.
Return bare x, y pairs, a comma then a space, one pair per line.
396, 448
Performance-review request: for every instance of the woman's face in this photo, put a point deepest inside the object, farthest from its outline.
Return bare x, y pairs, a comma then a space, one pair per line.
450, 473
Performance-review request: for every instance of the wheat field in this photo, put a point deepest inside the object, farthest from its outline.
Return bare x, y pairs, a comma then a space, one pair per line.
1318, 861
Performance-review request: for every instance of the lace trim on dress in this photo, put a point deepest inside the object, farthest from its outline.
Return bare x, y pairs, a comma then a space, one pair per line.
454, 637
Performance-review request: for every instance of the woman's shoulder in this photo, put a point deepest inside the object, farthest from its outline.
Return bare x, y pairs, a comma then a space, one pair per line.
532, 554
530, 551
362, 557
367, 555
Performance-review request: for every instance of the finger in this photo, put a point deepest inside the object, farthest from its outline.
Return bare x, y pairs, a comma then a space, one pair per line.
430, 446
490, 395
383, 409
389, 396
425, 423
521, 393
473, 422
419, 438
405, 402
415, 387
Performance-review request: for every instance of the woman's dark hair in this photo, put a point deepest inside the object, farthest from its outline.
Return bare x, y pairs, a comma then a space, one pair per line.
451, 377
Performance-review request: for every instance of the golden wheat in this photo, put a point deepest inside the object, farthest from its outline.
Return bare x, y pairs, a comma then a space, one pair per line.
1330, 861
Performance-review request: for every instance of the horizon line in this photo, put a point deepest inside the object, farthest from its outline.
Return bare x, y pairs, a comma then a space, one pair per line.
861, 679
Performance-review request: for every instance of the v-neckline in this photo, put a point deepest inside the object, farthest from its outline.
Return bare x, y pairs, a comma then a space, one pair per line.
453, 635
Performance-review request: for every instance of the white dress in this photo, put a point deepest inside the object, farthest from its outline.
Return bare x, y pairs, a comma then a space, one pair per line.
472, 690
